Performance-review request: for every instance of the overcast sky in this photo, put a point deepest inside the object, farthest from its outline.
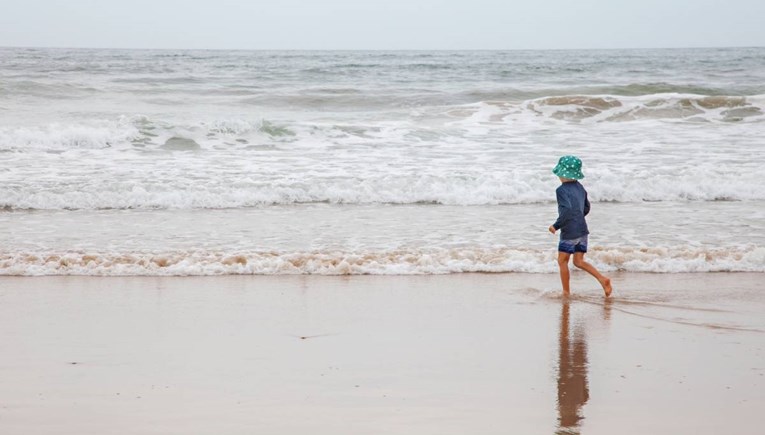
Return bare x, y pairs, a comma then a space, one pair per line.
382, 24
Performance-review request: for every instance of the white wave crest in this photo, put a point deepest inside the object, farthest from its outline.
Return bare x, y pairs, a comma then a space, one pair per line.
192, 190
137, 132
610, 108
63, 137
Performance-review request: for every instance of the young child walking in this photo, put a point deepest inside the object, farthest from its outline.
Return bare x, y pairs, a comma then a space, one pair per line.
573, 206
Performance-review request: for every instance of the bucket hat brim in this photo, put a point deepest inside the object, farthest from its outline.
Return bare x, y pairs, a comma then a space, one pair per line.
569, 167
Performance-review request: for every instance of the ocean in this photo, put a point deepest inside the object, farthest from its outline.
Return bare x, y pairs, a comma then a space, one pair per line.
165, 162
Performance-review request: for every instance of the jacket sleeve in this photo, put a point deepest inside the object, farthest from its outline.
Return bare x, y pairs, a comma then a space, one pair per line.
586, 204
564, 210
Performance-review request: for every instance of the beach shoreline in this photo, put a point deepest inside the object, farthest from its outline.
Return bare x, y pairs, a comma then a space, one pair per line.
440, 354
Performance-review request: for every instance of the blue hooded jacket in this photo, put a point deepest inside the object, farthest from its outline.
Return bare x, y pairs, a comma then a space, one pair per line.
573, 206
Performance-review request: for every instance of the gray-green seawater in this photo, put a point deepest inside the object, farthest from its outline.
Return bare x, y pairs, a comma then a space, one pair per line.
376, 162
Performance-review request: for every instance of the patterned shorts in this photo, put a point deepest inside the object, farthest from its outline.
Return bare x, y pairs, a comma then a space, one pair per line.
574, 245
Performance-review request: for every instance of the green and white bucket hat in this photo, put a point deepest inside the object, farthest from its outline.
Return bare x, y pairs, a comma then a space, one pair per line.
569, 167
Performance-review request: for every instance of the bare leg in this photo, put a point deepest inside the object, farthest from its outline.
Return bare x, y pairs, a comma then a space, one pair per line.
564, 273
604, 281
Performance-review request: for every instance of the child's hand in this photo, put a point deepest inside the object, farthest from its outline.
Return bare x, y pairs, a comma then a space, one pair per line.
552, 229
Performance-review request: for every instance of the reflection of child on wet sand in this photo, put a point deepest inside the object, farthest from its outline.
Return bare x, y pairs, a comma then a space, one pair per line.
573, 391
573, 206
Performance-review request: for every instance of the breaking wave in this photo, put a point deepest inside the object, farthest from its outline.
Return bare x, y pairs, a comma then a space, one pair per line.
140, 132
607, 108
390, 262
190, 193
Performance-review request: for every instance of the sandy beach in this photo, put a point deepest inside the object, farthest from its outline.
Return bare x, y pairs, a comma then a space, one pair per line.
453, 354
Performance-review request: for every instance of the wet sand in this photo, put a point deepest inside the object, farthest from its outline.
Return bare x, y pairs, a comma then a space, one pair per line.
454, 354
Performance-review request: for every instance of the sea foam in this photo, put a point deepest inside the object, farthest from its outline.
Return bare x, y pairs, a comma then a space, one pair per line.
388, 262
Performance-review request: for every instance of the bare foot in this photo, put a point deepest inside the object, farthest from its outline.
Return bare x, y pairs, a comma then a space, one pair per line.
606, 283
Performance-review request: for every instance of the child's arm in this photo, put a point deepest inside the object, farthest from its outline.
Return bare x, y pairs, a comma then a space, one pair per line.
586, 204
564, 212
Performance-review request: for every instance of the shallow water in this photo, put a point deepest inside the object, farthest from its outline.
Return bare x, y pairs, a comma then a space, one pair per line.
378, 239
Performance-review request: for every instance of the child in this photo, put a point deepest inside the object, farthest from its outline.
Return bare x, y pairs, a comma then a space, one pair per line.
573, 206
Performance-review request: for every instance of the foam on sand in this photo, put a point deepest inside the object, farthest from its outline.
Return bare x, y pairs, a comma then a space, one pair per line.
389, 262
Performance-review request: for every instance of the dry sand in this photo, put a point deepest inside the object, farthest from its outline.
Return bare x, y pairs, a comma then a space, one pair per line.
458, 354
